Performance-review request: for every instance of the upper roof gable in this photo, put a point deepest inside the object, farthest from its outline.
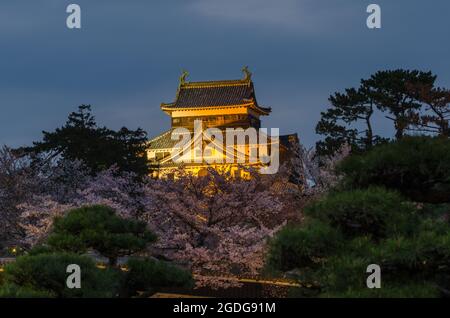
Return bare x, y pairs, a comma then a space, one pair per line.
222, 93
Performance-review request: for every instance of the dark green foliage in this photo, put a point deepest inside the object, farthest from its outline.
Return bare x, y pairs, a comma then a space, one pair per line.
374, 212
41, 249
42, 272
98, 147
339, 123
45, 275
301, 246
391, 93
347, 231
336, 136
99, 228
418, 167
14, 291
395, 93
150, 275
404, 290
420, 261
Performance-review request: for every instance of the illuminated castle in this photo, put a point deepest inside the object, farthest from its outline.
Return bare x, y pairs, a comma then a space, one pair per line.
218, 105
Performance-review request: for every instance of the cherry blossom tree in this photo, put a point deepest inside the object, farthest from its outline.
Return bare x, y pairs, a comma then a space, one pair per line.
216, 224
16, 184
112, 188
119, 190
319, 171
41, 184
33, 192
36, 218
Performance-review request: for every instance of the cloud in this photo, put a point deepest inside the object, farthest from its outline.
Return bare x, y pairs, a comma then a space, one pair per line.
126, 59
309, 16
18, 18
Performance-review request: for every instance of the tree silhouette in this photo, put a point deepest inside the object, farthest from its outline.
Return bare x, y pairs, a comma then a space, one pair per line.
400, 94
390, 93
348, 121
98, 147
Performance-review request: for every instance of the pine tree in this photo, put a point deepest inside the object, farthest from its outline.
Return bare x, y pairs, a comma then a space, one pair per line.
391, 94
348, 110
98, 147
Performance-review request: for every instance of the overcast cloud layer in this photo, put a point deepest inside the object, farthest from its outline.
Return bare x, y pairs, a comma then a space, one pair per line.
128, 55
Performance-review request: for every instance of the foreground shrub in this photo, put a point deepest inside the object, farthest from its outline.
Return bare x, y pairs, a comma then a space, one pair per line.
375, 211
45, 274
410, 242
300, 246
150, 275
14, 291
419, 261
99, 228
406, 289
418, 167
347, 231
42, 273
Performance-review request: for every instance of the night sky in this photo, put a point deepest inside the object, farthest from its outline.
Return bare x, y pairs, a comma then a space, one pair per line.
128, 56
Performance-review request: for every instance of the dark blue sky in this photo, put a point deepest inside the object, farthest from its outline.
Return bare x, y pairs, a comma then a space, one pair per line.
128, 55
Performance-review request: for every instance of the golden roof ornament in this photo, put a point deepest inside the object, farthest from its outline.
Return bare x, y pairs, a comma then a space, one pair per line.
247, 73
183, 77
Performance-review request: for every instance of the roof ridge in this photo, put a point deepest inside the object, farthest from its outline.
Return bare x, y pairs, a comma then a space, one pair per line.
172, 105
218, 83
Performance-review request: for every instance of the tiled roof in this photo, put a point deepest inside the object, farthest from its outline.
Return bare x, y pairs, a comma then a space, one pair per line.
163, 141
215, 93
